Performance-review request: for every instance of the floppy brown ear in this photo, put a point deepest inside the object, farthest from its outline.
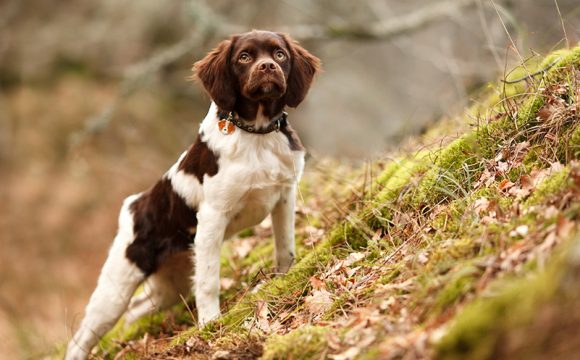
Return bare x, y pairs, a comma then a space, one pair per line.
304, 67
215, 75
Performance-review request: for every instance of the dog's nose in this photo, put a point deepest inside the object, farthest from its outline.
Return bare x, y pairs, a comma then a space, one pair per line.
267, 66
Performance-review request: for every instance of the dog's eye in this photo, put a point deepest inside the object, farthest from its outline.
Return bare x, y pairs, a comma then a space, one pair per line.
245, 58
280, 55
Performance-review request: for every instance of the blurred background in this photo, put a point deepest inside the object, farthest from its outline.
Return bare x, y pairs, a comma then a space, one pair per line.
95, 105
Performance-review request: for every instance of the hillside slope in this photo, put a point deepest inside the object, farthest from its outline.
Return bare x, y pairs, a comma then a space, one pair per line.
466, 247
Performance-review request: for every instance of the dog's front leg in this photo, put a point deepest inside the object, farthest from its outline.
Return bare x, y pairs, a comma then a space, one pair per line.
283, 224
208, 240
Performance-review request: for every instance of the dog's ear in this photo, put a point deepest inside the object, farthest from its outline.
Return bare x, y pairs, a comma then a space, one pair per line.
216, 76
304, 67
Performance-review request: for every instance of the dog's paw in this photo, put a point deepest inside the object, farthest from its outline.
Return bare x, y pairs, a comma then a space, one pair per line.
284, 263
207, 317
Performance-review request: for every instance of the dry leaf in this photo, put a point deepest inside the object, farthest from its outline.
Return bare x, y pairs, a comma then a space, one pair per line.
353, 257
262, 314
314, 235
226, 283
526, 183
564, 227
385, 304
349, 354
480, 205
502, 167
333, 341
520, 151
318, 302
221, 355
316, 283
350, 259
351, 271
505, 184
242, 248
422, 258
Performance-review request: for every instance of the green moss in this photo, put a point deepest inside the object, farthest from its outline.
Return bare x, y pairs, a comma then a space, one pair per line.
260, 256
510, 90
453, 171
398, 179
529, 110
459, 284
553, 184
458, 220
568, 58
476, 331
380, 212
388, 172
305, 343
574, 143
246, 233
557, 55
390, 275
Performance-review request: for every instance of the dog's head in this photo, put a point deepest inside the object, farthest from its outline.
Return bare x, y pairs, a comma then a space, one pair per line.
259, 66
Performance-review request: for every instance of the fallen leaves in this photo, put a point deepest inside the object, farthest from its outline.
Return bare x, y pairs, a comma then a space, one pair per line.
488, 210
318, 302
314, 235
262, 314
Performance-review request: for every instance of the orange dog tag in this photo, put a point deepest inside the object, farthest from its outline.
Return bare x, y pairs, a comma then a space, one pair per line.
226, 127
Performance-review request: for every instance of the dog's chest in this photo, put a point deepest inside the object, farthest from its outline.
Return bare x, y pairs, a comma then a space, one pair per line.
252, 208
254, 186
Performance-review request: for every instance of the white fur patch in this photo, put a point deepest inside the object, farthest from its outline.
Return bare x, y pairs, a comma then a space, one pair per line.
185, 185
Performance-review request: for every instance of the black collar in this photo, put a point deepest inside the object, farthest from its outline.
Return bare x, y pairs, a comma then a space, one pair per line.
275, 125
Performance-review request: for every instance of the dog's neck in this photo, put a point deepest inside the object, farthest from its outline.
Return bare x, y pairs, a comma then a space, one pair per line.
259, 111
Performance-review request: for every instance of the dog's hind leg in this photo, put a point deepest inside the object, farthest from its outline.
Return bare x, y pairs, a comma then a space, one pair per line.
163, 289
117, 282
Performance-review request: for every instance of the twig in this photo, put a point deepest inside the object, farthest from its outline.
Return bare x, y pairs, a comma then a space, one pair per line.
529, 76
562, 22
495, 6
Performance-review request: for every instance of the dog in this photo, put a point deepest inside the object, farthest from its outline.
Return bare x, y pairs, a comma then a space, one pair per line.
244, 165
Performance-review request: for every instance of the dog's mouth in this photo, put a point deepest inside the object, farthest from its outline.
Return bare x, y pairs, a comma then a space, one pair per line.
269, 86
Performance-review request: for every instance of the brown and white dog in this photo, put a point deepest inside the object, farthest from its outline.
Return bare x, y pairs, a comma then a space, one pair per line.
244, 165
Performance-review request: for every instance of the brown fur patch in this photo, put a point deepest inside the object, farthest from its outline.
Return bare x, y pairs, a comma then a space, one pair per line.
162, 221
214, 73
304, 67
199, 160
293, 139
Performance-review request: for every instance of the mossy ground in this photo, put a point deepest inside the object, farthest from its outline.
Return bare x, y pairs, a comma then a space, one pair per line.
422, 256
